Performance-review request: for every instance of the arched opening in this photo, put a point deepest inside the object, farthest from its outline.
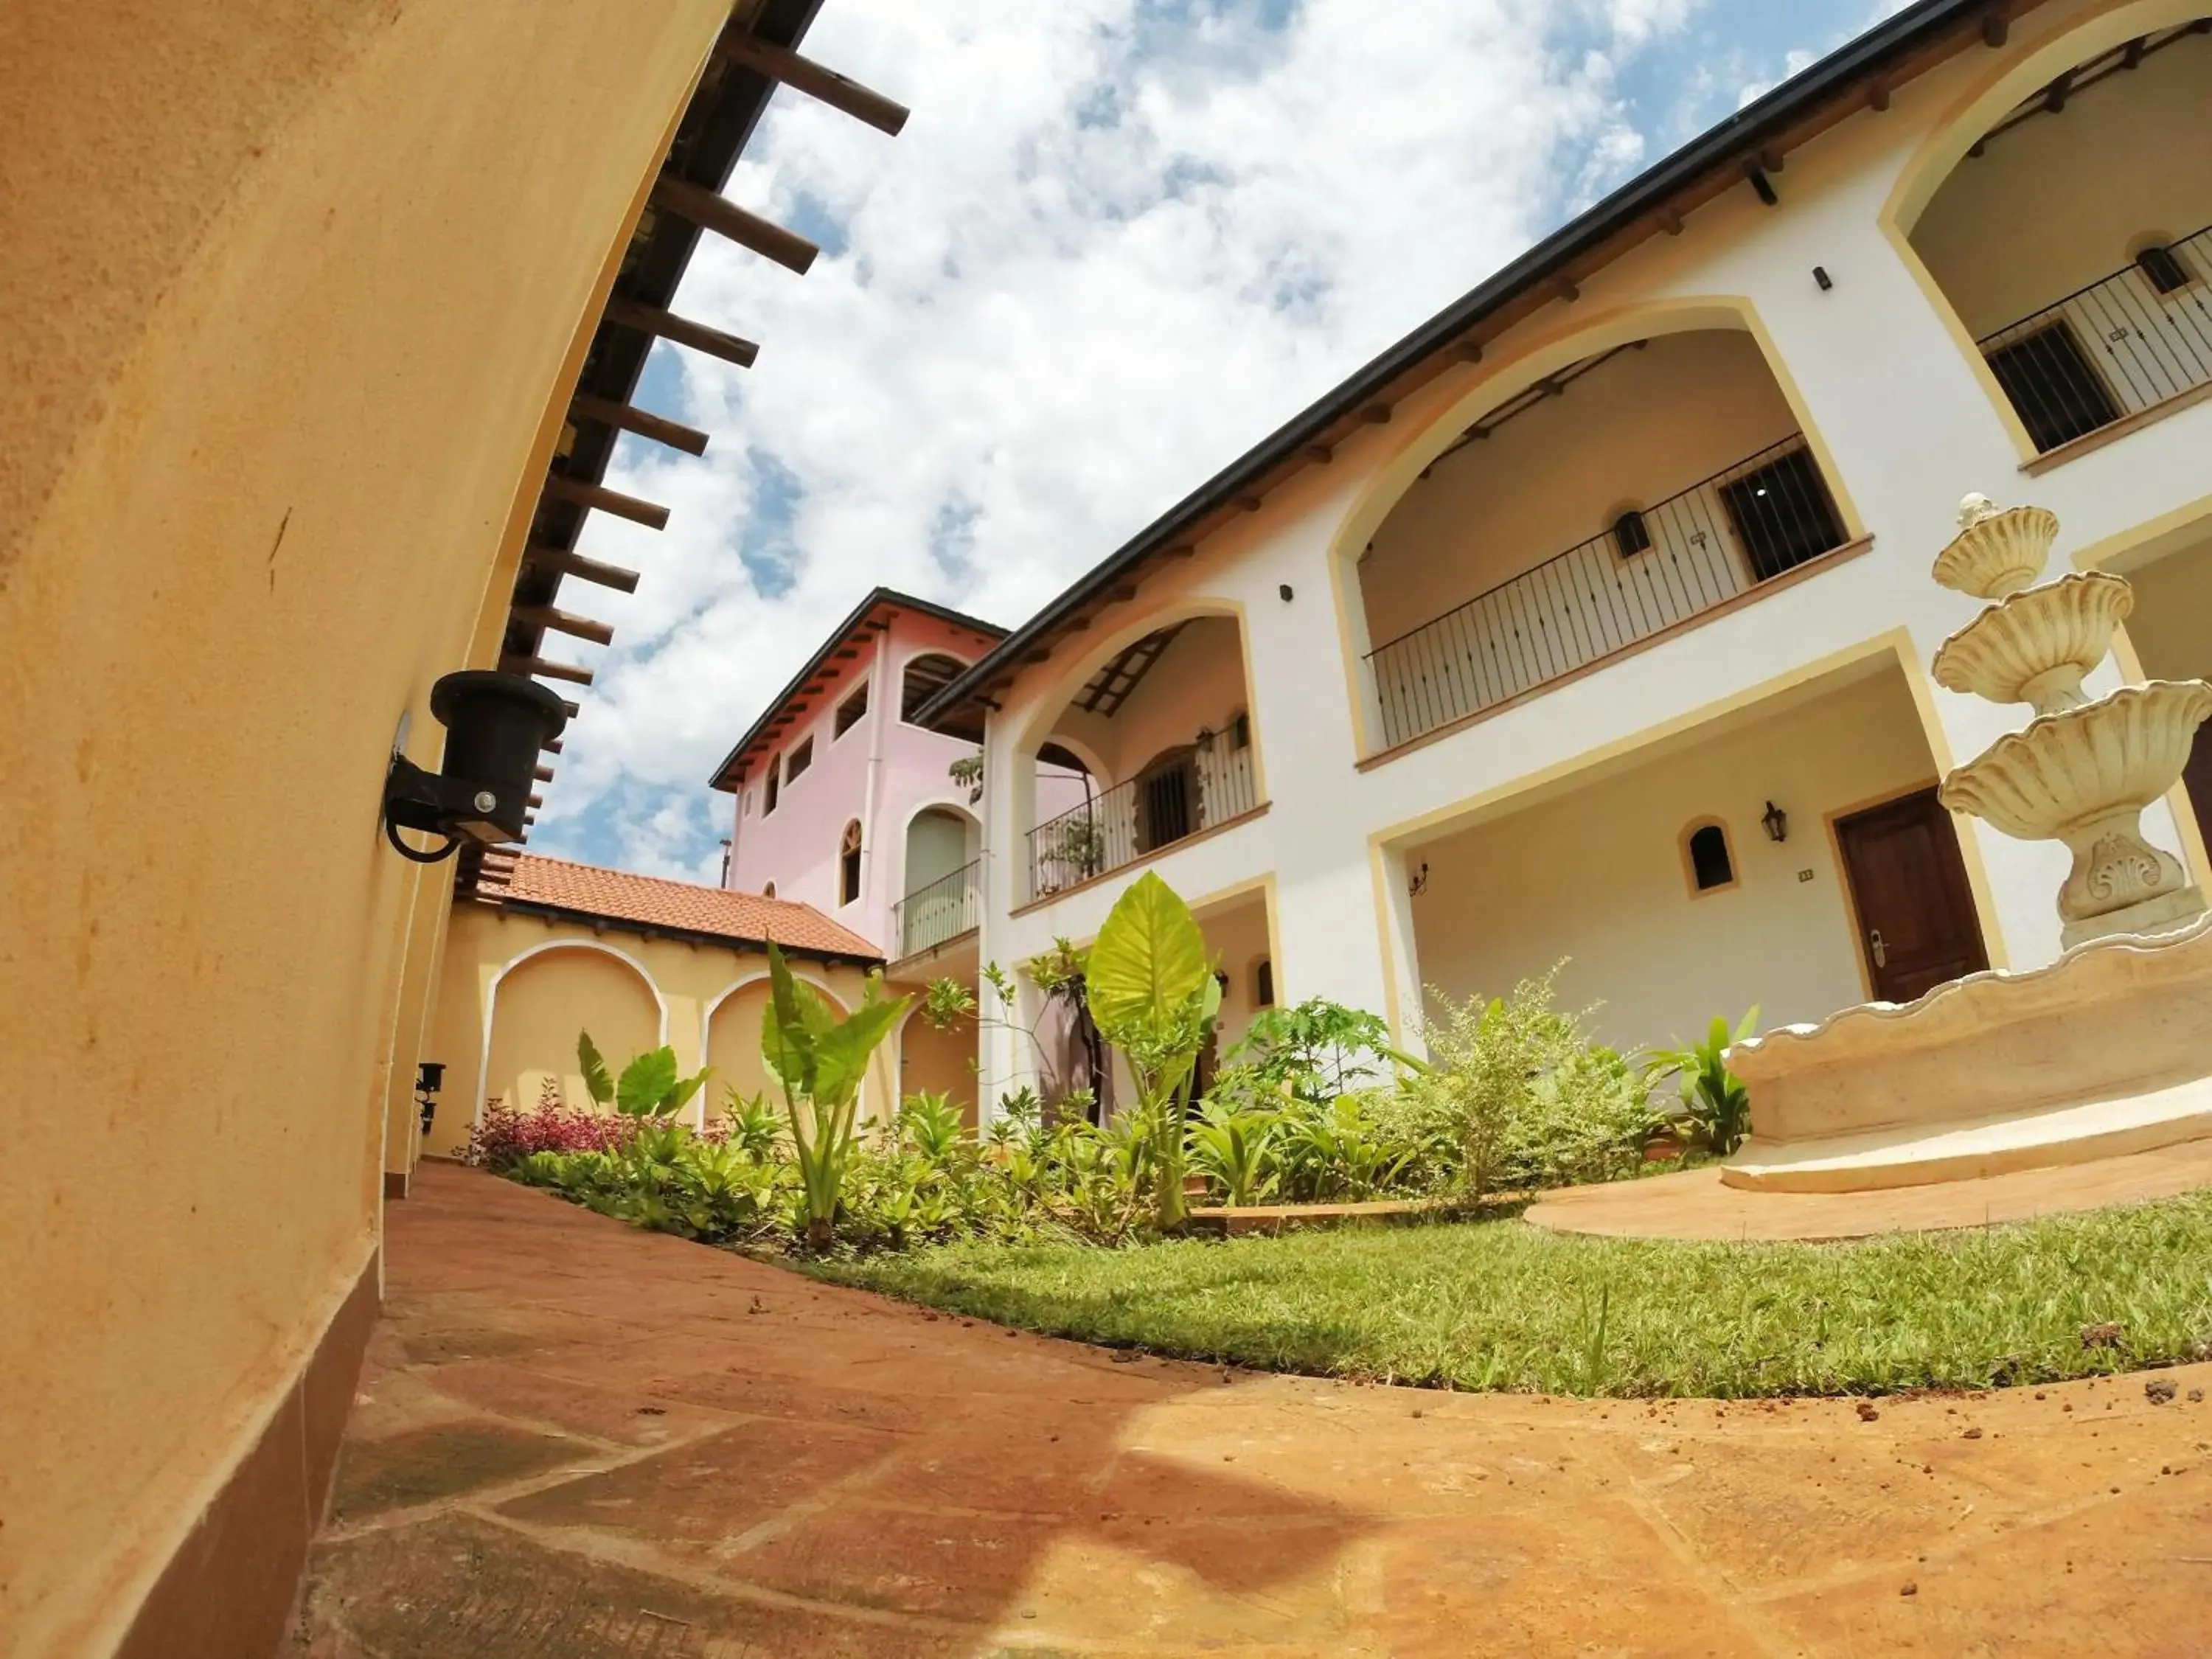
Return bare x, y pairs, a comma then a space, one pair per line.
944, 895
2109, 319
925, 677
1163, 721
848, 863
1615, 498
1708, 861
935, 1061
768, 889
538, 1006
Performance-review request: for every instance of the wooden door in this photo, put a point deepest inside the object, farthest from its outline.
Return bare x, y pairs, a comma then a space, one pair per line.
2196, 778
1916, 913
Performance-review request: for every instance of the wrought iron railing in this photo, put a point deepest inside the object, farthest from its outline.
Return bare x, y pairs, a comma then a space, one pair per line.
1656, 567
2124, 343
939, 910
1201, 786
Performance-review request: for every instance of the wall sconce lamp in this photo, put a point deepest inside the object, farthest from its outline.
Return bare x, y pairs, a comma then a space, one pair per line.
1417, 882
429, 1077
1776, 822
495, 725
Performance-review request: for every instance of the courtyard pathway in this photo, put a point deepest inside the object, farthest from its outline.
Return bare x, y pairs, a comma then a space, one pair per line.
575, 1440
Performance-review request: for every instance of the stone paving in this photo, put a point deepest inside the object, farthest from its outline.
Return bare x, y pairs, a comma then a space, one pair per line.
575, 1440
1696, 1205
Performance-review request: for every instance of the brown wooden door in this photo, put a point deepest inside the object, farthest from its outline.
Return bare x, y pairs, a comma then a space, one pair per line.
2198, 779
1915, 912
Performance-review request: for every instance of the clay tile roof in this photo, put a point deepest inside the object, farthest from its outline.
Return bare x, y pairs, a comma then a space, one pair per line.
586, 890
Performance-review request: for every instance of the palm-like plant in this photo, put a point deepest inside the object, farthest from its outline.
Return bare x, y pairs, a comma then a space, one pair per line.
1713, 1098
820, 1060
1234, 1149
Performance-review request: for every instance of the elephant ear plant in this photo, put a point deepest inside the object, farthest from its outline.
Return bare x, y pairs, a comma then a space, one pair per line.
821, 1059
649, 1087
1153, 996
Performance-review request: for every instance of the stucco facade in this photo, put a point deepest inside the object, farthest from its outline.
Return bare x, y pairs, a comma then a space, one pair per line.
1726, 340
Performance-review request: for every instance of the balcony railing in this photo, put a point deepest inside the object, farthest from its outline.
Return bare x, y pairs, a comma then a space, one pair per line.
1201, 786
944, 910
2124, 343
1657, 566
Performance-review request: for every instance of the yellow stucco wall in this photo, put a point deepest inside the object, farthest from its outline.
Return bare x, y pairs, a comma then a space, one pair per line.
2130, 158
1597, 875
532, 983
288, 291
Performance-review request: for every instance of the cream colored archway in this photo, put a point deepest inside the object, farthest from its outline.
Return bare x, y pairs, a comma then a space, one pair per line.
578, 1003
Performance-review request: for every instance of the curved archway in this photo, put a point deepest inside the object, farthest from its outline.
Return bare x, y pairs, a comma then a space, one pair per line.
1181, 677
542, 997
940, 1062
940, 896
1498, 551
924, 676
848, 863
2071, 333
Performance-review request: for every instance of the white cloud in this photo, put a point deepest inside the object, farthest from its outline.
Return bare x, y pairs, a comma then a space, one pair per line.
1118, 242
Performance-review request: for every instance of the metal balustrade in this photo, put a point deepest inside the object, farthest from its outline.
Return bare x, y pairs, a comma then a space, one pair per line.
1654, 567
940, 910
1199, 787
2120, 346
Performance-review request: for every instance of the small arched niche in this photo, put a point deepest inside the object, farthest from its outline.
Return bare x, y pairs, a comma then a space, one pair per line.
1708, 858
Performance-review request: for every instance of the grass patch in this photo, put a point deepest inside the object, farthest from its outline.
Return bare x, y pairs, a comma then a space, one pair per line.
1500, 1304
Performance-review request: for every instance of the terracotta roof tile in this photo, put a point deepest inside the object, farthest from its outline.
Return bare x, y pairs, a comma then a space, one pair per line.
620, 896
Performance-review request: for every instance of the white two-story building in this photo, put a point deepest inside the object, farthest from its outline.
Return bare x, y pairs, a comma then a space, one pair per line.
1593, 620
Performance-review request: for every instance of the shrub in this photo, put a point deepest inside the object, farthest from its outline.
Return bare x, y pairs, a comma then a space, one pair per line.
1521, 1096
508, 1136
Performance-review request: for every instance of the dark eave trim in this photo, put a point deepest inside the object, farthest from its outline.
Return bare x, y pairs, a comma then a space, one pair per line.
545, 912
1723, 150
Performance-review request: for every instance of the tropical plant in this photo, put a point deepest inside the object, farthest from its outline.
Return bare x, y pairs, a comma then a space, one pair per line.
1714, 1099
968, 772
1320, 1049
1233, 1149
650, 1086
752, 1125
932, 1125
1080, 844
820, 1059
1339, 1151
1585, 1120
1154, 997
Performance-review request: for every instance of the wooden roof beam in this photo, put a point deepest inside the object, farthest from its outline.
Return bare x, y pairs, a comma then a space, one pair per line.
568, 564
840, 92
650, 514
607, 412
551, 671
710, 211
563, 621
542, 774
666, 326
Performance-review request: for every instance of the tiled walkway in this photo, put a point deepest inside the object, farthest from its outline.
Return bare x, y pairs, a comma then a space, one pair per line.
1696, 1205
576, 1440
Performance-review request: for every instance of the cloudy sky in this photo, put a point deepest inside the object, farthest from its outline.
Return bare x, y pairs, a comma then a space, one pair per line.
1119, 242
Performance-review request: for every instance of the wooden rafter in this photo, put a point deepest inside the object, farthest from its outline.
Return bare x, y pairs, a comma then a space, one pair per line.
667, 325
840, 92
659, 429
1111, 686
650, 514
711, 210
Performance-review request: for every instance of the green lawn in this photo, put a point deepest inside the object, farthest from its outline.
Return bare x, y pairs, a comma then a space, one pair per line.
1500, 1304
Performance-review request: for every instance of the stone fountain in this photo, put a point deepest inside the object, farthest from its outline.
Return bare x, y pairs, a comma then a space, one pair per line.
2108, 1049
2081, 772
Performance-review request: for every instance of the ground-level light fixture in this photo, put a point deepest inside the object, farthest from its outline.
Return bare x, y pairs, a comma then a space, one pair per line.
1776, 822
429, 1077
494, 725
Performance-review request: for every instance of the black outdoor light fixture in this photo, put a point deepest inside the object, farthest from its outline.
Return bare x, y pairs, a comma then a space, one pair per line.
1776, 823
494, 725
429, 1077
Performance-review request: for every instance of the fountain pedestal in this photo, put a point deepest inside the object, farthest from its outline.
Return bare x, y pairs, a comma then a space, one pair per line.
2108, 1050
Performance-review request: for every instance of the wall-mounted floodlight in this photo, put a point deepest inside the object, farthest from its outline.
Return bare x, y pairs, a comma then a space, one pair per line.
429, 1077
494, 725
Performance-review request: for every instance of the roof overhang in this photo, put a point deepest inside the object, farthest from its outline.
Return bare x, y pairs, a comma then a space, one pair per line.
1742, 153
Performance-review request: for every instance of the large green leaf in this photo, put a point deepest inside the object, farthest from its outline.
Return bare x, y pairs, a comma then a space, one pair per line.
598, 1083
845, 1050
1149, 962
646, 1082
789, 1027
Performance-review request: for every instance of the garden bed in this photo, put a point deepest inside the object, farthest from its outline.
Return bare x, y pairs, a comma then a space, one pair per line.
1497, 1304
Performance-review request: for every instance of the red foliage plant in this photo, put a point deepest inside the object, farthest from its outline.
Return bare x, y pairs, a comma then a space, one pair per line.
507, 1135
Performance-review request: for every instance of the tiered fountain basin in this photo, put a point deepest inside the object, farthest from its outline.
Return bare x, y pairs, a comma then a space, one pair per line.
2107, 1051
2040, 645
